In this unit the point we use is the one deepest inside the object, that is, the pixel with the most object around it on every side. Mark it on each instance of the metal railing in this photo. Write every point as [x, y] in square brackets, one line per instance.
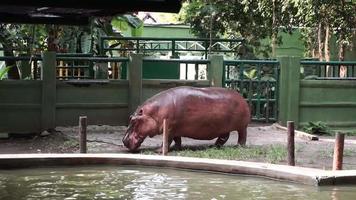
[257, 81]
[73, 66]
[194, 69]
[31, 64]
[328, 70]
[89, 67]
[149, 45]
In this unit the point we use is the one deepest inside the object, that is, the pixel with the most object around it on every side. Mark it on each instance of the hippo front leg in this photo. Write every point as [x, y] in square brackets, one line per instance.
[177, 144]
[222, 139]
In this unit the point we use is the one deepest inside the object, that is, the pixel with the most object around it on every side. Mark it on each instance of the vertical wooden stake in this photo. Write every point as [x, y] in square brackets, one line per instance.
[338, 151]
[83, 134]
[290, 145]
[165, 138]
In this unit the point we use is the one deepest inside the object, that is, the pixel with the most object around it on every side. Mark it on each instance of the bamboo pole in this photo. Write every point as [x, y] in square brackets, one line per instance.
[165, 138]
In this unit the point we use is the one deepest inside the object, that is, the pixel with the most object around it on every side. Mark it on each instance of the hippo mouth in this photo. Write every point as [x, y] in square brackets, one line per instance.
[132, 141]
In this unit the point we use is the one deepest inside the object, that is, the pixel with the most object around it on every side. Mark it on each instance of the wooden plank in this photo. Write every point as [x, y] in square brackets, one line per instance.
[299, 134]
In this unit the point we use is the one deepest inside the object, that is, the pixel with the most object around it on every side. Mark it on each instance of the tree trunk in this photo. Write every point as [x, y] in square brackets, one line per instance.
[274, 30]
[13, 73]
[320, 43]
[327, 49]
[342, 47]
[327, 43]
[52, 41]
[343, 69]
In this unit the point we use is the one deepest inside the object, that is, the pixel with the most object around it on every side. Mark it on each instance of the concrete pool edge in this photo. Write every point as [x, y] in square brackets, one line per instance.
[303, 175]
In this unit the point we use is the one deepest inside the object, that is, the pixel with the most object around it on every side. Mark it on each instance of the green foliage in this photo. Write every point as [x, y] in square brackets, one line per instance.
[319, 128]
[31, 39]
[256, 20]
[251, 74]
[250, 19]
[317, 14]
[3, 72]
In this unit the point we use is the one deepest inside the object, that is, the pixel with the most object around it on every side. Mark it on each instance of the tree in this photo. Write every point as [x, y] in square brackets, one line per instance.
[250, 19]
[28, 39]
[19, 39]
[328, 17]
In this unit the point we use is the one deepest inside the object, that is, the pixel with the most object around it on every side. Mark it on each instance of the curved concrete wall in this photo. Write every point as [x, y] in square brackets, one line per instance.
[281, 172]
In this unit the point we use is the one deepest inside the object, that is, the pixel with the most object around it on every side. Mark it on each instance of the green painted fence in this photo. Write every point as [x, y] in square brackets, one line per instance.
[311, 96]
[35, 105]
[257, 82]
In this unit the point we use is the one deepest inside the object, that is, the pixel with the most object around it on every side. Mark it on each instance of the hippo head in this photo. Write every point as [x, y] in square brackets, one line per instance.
[140, 126]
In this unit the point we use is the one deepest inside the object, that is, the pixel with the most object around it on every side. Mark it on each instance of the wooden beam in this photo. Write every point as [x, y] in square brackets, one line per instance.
[120, 6]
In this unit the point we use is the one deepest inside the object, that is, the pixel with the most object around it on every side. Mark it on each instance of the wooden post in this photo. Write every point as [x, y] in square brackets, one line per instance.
[101, 71]
[48, 76]
[290, 145]
[83, 134]
[134, 74]
[215, 70]
[338, 151]
[165, 138]
[289, 91]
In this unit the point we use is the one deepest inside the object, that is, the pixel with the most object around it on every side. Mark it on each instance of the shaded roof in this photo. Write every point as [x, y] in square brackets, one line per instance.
[76, 12]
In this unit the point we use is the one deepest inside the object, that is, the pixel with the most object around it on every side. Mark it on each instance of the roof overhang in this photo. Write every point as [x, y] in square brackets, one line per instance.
[77, 12]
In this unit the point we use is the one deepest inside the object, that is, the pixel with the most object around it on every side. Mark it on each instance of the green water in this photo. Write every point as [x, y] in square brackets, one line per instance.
[114, 182]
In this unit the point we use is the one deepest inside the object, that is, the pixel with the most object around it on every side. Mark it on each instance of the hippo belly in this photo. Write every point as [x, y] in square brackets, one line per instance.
[209, 116]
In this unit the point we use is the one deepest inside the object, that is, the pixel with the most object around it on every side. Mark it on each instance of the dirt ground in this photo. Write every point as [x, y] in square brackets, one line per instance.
[107, 139]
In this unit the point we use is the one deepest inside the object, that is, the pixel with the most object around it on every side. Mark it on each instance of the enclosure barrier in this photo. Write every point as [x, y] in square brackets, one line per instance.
[305, 96]
[258, 82]
[71, 66]
[51, 101]
[276, 90]
[328, 69]
[28, 67]
[302, 175]
[148, 45]
[90, 67]
[200, 66]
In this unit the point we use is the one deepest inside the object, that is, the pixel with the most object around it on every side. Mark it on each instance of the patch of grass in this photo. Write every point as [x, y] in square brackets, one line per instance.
[70, 143]
[349, 152]
[270, 153]
[299, 148]
[329, 153]
[348, 133]
[326, 153]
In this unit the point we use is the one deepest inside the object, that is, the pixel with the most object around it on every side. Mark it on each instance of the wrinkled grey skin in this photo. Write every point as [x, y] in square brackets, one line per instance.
[198, 113]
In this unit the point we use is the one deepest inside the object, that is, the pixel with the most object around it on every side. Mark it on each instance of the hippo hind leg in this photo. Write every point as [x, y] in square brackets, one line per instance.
[222, 139]
[177, 143]
[242, 136]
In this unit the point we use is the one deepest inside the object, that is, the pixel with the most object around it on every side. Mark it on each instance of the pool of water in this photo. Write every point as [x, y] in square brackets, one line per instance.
[128, 182]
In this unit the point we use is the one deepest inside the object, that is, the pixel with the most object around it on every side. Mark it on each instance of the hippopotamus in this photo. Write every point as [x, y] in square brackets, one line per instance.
[198, 113]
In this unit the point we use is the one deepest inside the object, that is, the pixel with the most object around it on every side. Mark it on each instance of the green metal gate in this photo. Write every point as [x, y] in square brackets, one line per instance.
[257, 81]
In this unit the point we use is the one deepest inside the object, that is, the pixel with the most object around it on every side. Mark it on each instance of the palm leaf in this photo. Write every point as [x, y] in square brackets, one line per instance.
[3, 71]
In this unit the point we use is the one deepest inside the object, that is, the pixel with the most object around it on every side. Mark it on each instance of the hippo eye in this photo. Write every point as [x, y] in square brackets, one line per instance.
[140, 112]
